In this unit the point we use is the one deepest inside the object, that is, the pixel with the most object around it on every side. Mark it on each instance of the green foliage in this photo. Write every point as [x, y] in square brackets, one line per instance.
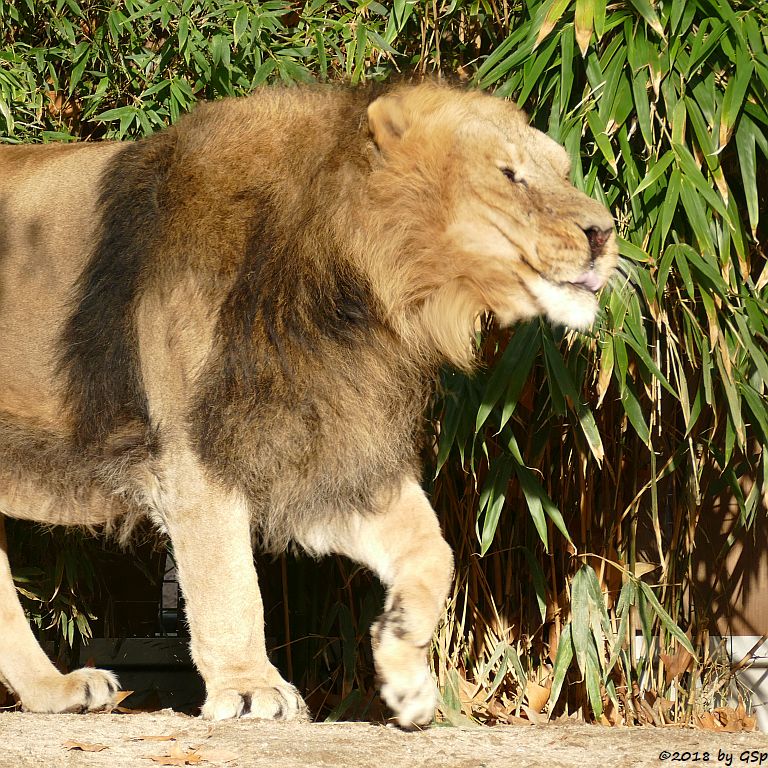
[565, 450]
[664, 110]
[53, 596]
[90, 69]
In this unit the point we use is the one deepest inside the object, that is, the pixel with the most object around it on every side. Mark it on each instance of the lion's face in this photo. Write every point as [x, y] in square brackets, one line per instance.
[505, 221]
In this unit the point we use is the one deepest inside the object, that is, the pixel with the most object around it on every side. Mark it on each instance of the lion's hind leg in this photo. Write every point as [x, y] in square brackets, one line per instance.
[403, 545]
[29, 673]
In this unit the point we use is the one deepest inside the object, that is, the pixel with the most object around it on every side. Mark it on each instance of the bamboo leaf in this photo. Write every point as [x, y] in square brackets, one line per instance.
[642, 107]
[450, 426]
[623, 609]
[747, 151]
[116, 114]
[538, 581]
[536, 497]
[566, 68]
[602, 140]
[585, 13]
[492, 500]
[361, 43]
[669, 207]
[657, 170]
[530, 346]
[599, 14]
[694, 176]
[580, 623]
[552, 12]
[758, 407]
[240, 24]
[665, 618]
[634, 413]
[647, 11]
[607, 360]
[183, 32]
[735, 91]
[593, 678]
[678, 123]
[534, 69]
[746, 337]
[567, 386]
[510, 372]
[562, 664]
[731, 396]
[642, 352]
[703, 133]
[697, 214]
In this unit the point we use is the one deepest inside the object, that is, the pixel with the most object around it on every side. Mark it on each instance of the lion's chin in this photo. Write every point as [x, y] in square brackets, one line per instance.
[567, 304]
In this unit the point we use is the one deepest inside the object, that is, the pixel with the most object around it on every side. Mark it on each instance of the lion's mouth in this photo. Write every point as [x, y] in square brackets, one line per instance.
[589, 281]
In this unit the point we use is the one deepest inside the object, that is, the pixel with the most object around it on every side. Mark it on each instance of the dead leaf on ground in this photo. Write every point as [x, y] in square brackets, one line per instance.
[191, 759]
[537, 696]
[514, 720]
[613, 715]
[726, 720]
[533, 716]
[498, 711]
[664, 708]
[495, 709]
[645, 713]
[166, 737]
[151, 704]
[734, 720]
[177, 755]
[748, 721]
[83, 747]
[217, 755]
[119, 696]
[707, 721]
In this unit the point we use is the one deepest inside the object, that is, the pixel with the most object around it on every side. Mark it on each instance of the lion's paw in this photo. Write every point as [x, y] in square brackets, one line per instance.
[406, 683]
[413, 701]
[279, 702]
[84, 690]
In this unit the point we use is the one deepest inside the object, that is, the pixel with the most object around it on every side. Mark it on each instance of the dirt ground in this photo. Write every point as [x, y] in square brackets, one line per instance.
[28, 740]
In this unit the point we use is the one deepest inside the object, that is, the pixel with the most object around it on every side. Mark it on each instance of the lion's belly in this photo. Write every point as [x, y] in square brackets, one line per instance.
[47, 202]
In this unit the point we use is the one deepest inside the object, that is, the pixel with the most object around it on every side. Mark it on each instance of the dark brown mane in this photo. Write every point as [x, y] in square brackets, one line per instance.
[98, 350]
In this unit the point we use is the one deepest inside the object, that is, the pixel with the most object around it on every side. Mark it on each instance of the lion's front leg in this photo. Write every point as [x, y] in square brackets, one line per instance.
[403, 545]
[210, 532]
[26, 670]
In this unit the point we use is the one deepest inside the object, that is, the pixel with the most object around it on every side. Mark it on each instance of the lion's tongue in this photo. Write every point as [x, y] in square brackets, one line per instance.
[589, 280]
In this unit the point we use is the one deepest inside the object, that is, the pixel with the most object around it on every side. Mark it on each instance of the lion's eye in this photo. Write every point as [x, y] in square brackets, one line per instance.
[514, 177]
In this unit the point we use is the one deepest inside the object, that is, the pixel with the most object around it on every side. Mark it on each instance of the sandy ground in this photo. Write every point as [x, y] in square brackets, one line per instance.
[28, 740]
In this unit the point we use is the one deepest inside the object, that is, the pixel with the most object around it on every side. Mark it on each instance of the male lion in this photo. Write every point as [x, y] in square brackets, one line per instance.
[230, 327]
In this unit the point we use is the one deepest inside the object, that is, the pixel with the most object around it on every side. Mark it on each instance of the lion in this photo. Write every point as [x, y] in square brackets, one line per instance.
[231, 328]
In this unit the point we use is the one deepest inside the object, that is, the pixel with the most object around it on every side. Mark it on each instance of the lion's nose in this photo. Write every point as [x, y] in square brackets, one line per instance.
[597, 238]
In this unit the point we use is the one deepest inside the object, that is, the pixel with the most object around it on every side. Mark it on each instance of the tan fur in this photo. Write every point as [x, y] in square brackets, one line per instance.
[232, 326]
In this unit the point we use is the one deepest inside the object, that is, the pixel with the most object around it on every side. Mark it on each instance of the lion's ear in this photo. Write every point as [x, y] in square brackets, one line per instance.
[387, 121]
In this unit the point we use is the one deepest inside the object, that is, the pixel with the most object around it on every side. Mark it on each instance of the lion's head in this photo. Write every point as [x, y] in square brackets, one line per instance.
[488, 208]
